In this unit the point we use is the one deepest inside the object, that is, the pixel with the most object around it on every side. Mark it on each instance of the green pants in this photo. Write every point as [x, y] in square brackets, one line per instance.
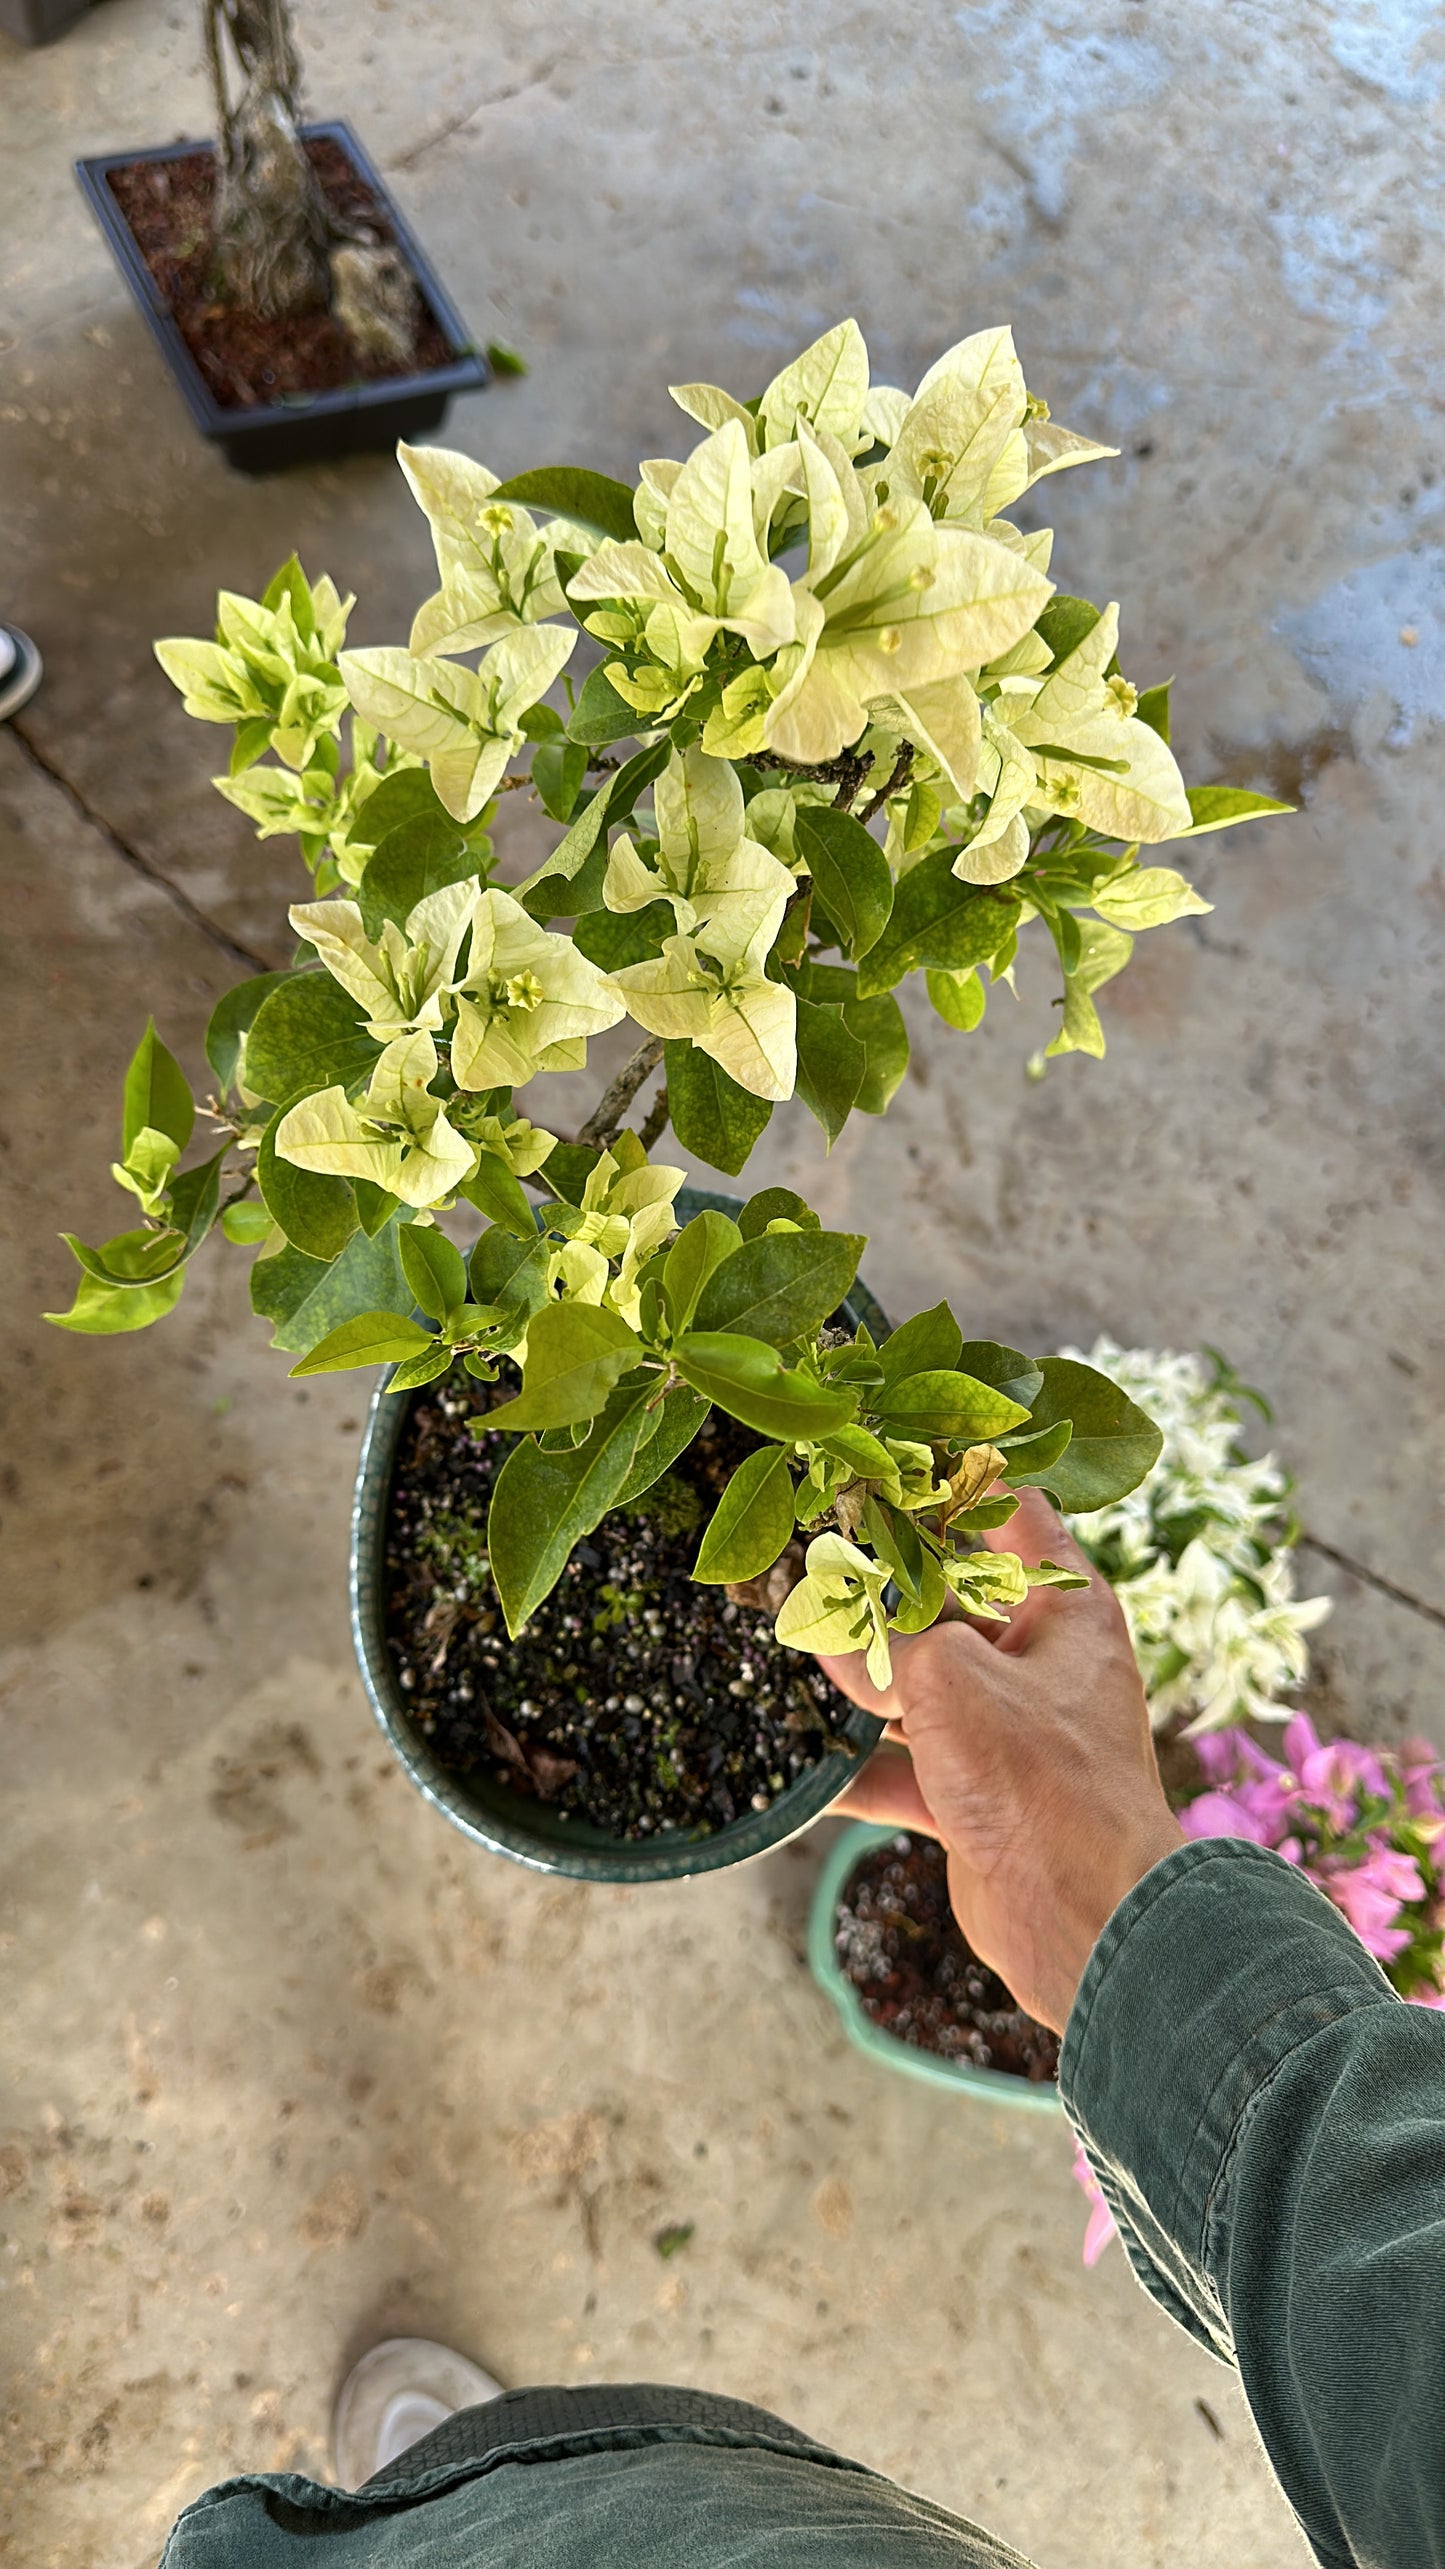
[1268, 2121]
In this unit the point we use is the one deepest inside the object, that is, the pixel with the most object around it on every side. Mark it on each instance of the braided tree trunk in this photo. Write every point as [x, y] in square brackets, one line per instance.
[278, 249]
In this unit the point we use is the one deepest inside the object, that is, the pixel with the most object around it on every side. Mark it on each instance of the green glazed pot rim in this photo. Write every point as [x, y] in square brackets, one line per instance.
[991, 2086]
[503, 1823]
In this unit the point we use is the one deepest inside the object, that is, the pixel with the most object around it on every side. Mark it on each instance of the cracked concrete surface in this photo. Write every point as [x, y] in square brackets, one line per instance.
[288, 2065]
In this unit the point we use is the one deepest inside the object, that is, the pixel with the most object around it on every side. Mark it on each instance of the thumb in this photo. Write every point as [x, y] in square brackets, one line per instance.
[887, 1791]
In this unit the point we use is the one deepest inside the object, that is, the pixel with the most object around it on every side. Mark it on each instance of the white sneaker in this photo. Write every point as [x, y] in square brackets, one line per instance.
[19, 670]
[396, 2394]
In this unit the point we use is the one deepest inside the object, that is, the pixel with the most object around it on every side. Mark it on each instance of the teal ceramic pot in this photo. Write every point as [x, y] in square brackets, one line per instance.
[504, 1822]
[990, 2086]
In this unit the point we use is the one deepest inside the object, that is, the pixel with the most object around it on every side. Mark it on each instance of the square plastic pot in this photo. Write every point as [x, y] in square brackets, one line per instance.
[39, 22]
[360, 417]
[506, 1823]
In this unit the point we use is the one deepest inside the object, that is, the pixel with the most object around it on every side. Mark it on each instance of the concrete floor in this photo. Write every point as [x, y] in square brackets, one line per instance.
[289, 2065]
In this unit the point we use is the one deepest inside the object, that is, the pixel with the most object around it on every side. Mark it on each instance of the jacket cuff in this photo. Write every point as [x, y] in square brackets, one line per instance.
[1214, 1968]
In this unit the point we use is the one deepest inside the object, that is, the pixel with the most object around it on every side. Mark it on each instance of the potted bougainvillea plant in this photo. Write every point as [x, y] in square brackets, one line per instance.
[627, 1423]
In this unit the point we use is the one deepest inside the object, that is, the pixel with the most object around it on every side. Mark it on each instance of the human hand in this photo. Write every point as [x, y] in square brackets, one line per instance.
[1024, 1747]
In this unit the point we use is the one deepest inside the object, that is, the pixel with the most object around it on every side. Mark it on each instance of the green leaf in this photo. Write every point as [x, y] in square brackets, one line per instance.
[231, 1019]
[877, 1024]
[1153, 709]
[959, 998]
[435, 1271]
[317, 1214]
[157, 1094]
[576, 1352]
[559, 772]
[371, 1338]
[1006, 1368]
[106, 1311]
[781, 1286]
[1113, 1443]
[850, 871]
[408, 795]
[502, 359]
[667, 1431]
[496, 1190]
[246, 1225]
[308, 1034]
[699, 1248]
[587, 499]
[895, 1540]
[751, 1382]
[304, 1298]
[547, 1500]
[513, 1273]
[291, 582]
[253, 739]
[752, 1522]
[938, 1404]
[1031, 1457]
[413, 1371]
[542, 893]
[710, 1113]
[417, 857]
[862, 1451]
[600, 715]
[831, 1064]
[1222, 807]
[939, 921]
[1064, 623]
[569, 1167]
[374, 1205]
[775, 1204]
[130, 1261]
[928, 1343]
[612, 938]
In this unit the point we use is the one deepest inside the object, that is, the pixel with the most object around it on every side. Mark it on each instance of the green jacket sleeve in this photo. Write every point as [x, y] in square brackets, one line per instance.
[1267, 2119]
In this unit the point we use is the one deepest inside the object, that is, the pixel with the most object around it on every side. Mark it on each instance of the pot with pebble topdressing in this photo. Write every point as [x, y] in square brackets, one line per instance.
[642, 1727]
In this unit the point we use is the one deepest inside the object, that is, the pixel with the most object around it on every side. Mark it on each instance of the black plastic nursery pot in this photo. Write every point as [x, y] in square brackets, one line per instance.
[361, 416]
[485, 1810]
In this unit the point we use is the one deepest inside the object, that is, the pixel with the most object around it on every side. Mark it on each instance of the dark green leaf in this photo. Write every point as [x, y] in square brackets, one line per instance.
[612, 938]
[317, 1214]
[1006, 1368]
[600, 715]
[710, 1113]
[544, 1502]
[1032, 1457]
[1113, 1443]
[851, 873]
[939, 921]
[928, 1343]
[1153, 709]
[587, 499]
[374, 1206]
[895, 1540]
[407, 795]
[435, 1271]
[231, 1017]
[559, 772]
[576, 1353]
[1064, 623]
[104, 1311]
[369, 1338]
[706, 1242]
[781, 1286]
[414, 859]
[305, 1298]
[195, 1198]
[831, 1064]
[157, 1094]
[308, 1034]
[503, 1269]
[751, 1382]
[291, 582]
[775, 1204]
[569, 1167]
[752, 1522]
[877, 1024]
[938, 1405]
[253, 739]
[667, 1431]
[497, 1191]
[542, 894]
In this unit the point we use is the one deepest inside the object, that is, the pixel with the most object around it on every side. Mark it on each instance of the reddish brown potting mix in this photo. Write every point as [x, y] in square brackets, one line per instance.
[916, 1973]
[249, 363]
[635, 1699]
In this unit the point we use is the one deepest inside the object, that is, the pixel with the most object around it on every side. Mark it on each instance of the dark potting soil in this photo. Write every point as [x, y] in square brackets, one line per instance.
[635, 1699]
[916, 1973]
[249, 363]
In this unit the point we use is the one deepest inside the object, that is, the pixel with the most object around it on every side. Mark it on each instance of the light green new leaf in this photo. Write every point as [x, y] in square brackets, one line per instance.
[372, 1338]
[959, 998]
[752, 1522]
[426, 1366]
[106, 1311]
[576, 1353]
[1149, 896]
[1223, 807]
[157, 1095]
[938, 1404]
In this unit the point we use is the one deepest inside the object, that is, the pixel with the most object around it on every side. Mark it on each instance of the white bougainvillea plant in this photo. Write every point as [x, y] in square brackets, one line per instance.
[1201, 1552]
[872, 739]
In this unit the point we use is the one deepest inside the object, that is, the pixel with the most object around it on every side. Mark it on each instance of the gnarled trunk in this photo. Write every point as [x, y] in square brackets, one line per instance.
[271, 227]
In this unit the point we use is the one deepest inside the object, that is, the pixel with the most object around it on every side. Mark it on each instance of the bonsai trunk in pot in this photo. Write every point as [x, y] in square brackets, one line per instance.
[297, 313]
[890, 759]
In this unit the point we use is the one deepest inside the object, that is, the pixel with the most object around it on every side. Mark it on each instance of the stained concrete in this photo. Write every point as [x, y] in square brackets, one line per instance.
[288, 2064]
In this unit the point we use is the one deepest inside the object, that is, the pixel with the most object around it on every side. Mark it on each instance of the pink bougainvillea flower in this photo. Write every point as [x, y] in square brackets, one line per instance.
[1102, 2226]
[1427, 1998]
[1226, 1815]
[1371, 1896]
[1420, 1775]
